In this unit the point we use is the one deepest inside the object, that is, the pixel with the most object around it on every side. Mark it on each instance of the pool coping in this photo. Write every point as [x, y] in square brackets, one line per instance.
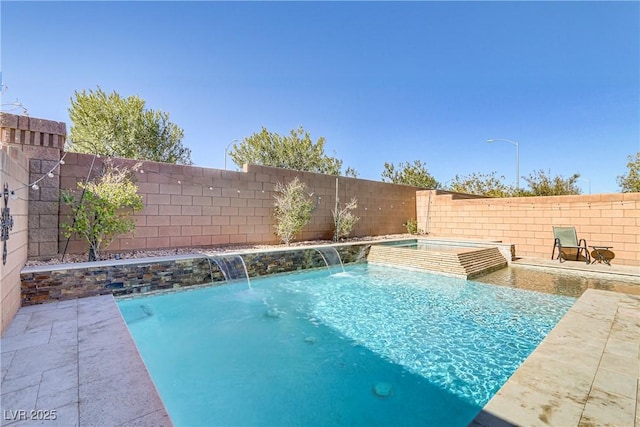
[585, 372]
[204, 254]
[77, 357]
[207, 252]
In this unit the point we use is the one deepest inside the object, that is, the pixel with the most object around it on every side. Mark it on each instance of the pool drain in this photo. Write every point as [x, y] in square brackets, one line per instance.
[274, 313]
[382, 389]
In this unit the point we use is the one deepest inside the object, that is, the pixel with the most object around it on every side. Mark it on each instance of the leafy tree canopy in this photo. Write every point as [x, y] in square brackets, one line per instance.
[540, 184]
[111, 125]
[415, 174]
[630, 183]
[543, 184]
[349, 171]
[294, 151]
[482, 185]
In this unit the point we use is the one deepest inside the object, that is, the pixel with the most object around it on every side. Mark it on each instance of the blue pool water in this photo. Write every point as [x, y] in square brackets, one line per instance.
[372, 346]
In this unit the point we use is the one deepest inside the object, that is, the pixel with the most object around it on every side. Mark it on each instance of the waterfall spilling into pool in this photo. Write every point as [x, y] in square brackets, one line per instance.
[331, 258]
[232, 267]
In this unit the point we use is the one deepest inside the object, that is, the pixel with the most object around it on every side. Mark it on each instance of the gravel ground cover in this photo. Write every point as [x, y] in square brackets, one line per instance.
[74, 258]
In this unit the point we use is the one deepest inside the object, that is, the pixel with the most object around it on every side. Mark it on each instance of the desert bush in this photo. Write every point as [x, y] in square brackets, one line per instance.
[412, 226]
[103, 210]
[292, 209]
[344, 220]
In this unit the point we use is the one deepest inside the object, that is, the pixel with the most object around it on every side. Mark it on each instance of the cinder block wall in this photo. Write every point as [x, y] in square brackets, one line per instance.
[41, 142]
[14, 172]
[601, 219]
[187, 206]
[191, 206]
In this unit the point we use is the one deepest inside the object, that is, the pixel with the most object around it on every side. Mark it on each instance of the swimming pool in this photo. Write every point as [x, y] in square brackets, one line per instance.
[372, 346]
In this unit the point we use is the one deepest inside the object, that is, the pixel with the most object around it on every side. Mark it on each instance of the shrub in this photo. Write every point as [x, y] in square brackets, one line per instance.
[344, 220]
[292, 209]
[412, 226]
[104, 209]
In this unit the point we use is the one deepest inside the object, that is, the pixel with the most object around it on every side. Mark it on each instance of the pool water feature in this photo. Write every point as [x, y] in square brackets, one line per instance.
[331, 258]
[371, 346]
[232, 267]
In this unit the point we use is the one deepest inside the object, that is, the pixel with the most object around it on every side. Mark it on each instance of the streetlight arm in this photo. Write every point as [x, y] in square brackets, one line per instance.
[505, 140]
[225, 152]
[517, 157]
[588, 182]
[230, 144]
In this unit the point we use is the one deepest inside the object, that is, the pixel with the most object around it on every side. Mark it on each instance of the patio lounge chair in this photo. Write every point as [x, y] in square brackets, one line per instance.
[566, 238]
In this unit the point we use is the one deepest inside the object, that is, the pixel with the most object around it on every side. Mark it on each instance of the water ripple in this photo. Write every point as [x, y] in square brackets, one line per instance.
[463, 336]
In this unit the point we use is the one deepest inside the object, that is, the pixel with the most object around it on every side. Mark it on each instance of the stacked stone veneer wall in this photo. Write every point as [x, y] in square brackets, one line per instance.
[132, 277]
[14, 172]
[601, 219]
[187, 206]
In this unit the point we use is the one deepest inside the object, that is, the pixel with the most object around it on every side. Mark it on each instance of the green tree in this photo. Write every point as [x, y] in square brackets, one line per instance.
[292, 209]
[482, 185]
[343, 219]
[415, 174]
[294, 151]
[630, 183]
[351, 172]
[103, 210]
[543, 184]
[111, 125]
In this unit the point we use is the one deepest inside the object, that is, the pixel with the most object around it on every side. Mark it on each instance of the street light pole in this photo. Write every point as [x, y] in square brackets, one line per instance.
[517, 157]
[225, 152]
[588, 181]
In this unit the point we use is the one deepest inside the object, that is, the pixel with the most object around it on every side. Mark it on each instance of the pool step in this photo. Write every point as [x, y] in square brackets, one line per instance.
[466, 263]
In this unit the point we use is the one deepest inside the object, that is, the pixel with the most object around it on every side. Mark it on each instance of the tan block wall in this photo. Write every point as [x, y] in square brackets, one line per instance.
[601, 219]
[41, 141]
[14, 171]
[187, 206]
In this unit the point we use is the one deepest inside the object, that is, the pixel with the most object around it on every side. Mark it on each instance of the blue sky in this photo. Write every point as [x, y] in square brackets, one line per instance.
[381, 81]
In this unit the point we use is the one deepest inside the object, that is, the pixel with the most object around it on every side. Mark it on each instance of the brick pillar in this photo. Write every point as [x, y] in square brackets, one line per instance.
[42, 142]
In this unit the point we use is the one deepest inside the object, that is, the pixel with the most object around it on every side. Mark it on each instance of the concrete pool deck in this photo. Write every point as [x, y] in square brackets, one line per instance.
[77, 358]
[584, 373]
[75, 363]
